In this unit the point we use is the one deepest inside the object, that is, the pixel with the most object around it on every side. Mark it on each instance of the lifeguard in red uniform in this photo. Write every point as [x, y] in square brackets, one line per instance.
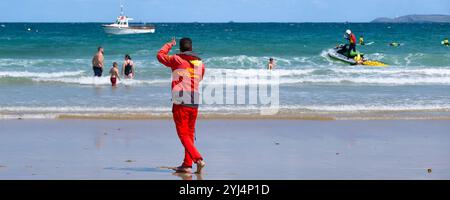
[187, 72]
[351, 40]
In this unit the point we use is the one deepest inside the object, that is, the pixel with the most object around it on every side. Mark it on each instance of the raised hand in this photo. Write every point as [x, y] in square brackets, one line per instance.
[174, 41]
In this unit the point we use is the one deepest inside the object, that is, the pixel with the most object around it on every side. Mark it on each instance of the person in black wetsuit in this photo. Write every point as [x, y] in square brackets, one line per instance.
[128, 67]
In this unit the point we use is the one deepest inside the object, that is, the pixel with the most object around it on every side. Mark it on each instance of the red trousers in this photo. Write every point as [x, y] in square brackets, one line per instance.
[185, 118]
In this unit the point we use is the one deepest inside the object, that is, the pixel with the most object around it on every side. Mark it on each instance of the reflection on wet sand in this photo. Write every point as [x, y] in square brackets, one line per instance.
[183, 176]
[188, 176]
[79, 149]
[137, 169]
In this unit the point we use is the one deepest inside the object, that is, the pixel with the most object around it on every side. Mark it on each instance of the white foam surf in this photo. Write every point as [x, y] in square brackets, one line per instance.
[89, 80]
[335, 75]
[27, 74]
[371, 81]
[246, 62]
[230, 110]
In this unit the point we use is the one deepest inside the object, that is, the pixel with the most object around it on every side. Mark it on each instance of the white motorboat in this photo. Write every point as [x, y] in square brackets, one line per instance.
[122, 26]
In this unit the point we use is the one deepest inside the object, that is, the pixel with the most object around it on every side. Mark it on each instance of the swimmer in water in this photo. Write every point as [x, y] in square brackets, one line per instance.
[394, 44]
[114, 72]
[271, 64]
[128, 67]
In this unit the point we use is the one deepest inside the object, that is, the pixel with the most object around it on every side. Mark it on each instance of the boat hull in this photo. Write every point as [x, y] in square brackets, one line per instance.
[128, 30]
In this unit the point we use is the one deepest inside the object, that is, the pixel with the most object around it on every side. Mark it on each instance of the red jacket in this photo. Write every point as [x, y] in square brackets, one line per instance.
[187, 72]
[352, 38]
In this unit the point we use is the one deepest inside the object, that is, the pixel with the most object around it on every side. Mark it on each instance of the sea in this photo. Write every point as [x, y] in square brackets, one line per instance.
[46, 72]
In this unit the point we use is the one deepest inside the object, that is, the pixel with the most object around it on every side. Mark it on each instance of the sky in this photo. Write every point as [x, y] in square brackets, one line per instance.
[216, 10]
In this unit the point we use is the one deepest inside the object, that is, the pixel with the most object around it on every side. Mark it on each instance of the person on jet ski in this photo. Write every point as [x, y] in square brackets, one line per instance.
[351, 40]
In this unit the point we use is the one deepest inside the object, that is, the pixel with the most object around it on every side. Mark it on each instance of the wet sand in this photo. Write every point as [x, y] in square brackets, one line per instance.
[233, 149]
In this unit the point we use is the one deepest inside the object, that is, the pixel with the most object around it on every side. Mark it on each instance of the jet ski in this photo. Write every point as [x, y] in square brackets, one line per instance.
[341, 53]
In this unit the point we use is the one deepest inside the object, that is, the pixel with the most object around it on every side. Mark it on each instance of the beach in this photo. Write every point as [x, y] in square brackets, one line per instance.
[311, 117]
[233, 149]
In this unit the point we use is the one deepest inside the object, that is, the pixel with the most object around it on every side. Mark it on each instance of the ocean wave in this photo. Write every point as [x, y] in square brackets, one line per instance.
[396, 71]
[229, 110]
[371, 81]
[325, 55]
[259, 81]
[412, 57]
[362, 108]
[334, 71]
[245, 62]
[331, 81]
[323, 60]
[51, 62]
[256, 72]
[307, 71]
[376, 56]
[27, 74]
[80, 109]
[100, 81]
[321, 75]
[334, 75]
[320, 61]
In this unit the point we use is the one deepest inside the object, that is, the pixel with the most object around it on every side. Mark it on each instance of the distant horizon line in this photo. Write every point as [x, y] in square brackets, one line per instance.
[230, 22]
[224, 22]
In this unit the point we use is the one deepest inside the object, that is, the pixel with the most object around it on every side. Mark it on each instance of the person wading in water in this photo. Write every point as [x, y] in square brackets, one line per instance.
[128, 67]
[97, 62]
